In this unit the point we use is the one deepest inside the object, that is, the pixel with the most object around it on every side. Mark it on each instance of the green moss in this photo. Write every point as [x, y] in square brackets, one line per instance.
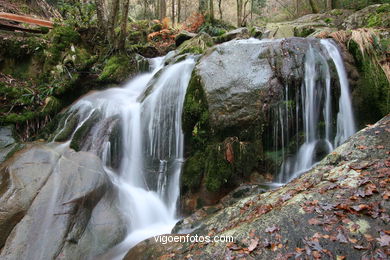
[215, 27]
[61, 38]
[116, 69]
[193, 171]
[196, 45]
[137, 37]
[14, 118]
[383, 9]
[218, 171]
[195, 115]
[328, 20]
[303, 31]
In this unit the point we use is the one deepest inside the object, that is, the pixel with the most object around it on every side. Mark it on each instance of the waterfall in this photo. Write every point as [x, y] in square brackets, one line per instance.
[313, 114]
[149, 110]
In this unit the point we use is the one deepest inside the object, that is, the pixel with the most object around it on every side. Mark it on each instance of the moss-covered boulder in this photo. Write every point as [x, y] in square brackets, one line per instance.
[239, 33]
[196, 45]
[183, 36]
[371, 16]
[308, 24]
[117, 69]
[225, 109]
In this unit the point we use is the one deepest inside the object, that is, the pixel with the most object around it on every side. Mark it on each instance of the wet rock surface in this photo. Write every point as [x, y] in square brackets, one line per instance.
[62, 197]
[241, 78]
[339, 209]
[8, 144]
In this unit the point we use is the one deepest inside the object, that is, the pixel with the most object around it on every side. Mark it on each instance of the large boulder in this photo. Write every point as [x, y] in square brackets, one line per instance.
[232, 90]
[308, 24]
[239, 78]
[339, 209]
[371, 16]
[8, 143]
[62, 197]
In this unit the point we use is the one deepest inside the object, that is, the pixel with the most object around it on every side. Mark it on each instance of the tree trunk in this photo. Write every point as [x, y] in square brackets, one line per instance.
[202, 6]
[297, 7]
[163, 9]
[123, 32]
[239, 12]
[211, 10]
[100, 15]
[178, 11]
[220, 9]
[329, 4]
[173, 12]
[314, 7]
[112, 21]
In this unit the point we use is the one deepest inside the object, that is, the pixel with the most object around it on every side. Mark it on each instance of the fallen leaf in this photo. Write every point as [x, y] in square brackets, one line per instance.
[253, 244]
[341, 238]
[272, 229]
[326, 206]
[370, 189]
[360, 207]
[314, 221]
[360, 247]
[386, 195]
[352, 240]
[316, 254]
[384, 240]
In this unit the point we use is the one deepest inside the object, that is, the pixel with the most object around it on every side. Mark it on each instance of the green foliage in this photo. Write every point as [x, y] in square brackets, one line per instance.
[373, 91]
[328, 20]
[78, 13]
[20, 48]
[374, 20]
[383, 9]
[358, 4]
[215, 27]
[61, 38]
[258, 6]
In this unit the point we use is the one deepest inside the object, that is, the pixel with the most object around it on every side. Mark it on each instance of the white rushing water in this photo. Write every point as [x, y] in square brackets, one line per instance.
[316, 110]
[147, 181]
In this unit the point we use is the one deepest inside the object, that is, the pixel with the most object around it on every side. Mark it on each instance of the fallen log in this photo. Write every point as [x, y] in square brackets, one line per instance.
[26, 19]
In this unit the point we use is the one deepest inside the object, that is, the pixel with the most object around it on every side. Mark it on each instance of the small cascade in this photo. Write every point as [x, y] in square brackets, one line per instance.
[148, 112]
[305, 121]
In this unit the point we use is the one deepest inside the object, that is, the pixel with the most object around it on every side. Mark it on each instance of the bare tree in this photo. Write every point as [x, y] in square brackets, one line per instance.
[100, 15]
[178, 10]
[173, 12]
[123, 32]
[220, 9]
[313, 6]
[163, 9]
[113, 21]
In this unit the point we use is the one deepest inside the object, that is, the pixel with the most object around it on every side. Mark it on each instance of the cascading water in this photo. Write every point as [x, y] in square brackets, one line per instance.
[311, 111]
[149, 109]
[147, 112]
